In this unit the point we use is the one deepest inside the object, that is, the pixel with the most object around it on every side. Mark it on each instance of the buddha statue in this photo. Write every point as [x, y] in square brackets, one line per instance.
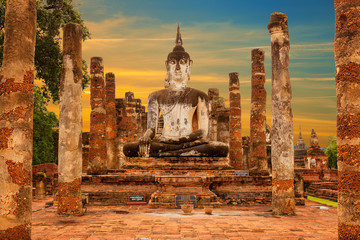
[185, 115]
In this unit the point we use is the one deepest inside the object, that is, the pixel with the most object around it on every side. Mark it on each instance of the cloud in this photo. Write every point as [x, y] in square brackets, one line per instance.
[312, 79]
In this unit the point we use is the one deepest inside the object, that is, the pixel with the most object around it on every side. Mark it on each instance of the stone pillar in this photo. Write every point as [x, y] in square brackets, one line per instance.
[282, 147]
[70, 123]
[347, 61]
[97, 151]
[258, 161]
[235, 153]
[16, 119]
[111, 122]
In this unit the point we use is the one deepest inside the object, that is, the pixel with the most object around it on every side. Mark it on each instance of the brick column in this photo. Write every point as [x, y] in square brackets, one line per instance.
[347, 61]
[111, 121]
[235, 153]
[282, 147]
[131, 122]
[97, 151]
[16, 119]
[70, 123]
[258, 161]
[213, 94]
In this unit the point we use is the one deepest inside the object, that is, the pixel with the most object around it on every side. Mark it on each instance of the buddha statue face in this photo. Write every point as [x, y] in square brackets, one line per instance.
[178, 69]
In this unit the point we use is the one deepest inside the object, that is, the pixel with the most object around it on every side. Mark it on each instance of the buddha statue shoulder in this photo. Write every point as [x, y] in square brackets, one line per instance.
[185, 113]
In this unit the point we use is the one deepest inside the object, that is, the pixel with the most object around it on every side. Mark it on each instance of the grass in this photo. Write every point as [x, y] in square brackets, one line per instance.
[323, 201]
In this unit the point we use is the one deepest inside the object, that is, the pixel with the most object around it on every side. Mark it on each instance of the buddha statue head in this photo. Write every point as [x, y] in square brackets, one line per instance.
[178, 65]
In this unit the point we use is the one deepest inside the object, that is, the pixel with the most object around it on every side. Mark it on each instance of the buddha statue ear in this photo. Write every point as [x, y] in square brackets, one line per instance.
[167, 77]
[189, 69]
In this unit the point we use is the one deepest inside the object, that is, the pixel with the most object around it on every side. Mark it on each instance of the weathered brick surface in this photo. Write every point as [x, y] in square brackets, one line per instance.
[69, 198]
[235, 148]
[282, 149]
[258, 161]
[347, 78]
[16, 119]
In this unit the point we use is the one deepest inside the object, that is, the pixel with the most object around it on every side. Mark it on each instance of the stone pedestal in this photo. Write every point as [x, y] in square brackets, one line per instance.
[171, 186]
[177, 163]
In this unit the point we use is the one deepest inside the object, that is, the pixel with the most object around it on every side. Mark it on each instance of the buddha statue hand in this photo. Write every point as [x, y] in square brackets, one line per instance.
[144, 142]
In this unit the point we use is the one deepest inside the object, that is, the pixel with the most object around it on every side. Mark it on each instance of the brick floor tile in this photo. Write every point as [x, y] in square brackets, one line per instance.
[142, 223]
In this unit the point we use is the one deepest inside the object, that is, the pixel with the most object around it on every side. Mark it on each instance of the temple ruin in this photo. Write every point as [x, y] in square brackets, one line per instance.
[187, 163]
[187, 148]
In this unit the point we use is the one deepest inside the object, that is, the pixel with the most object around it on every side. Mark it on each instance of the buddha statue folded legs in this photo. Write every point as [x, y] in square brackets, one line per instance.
[185, 113]
[159, 148]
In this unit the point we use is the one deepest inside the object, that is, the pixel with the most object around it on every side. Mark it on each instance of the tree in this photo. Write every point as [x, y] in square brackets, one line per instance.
[52, 15]
[331, 152]
[45, 132]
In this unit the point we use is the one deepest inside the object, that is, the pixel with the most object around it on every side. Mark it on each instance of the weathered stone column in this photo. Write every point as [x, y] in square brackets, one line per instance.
[97, 151]
[235, 151]
[16, 119]
[258, 161]
[282, 147]
[347, 61]
[110, 121]
[70, 123]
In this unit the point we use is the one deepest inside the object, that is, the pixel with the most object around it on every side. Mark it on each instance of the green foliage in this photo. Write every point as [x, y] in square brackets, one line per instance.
[44, 132]
[331, 152]
[52, 15]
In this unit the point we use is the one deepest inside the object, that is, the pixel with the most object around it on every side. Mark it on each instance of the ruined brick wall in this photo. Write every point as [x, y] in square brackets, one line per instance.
[130, 120]
[347, 79]
[48, 168]
[16, 119]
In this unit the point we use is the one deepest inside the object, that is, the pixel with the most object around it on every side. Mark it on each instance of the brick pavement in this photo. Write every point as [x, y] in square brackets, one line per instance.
[142, 223]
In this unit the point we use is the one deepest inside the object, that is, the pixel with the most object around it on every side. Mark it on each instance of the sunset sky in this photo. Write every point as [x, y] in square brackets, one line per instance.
[135, 36]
